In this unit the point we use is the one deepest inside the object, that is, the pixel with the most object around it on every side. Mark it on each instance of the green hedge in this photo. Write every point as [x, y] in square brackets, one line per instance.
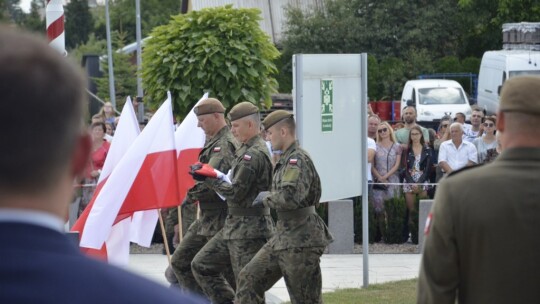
[395, 216]
[413, 224]
[395, 208]
[357, 205]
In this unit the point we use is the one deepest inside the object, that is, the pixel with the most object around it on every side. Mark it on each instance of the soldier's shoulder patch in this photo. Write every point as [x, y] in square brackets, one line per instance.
[217, 149]
[428, 223]
[247, 157]
[291, 174]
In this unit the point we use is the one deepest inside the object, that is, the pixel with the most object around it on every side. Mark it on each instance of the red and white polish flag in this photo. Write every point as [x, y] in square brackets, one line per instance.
[116, 248]
[144, 179]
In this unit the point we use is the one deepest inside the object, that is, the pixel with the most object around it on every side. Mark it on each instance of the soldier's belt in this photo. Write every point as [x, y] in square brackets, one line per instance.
[249, 211]
[213, 208]
[213, 205]
[297, 213]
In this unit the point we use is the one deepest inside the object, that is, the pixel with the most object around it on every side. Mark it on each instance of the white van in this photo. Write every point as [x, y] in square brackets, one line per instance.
[496, 67]
[434, 98]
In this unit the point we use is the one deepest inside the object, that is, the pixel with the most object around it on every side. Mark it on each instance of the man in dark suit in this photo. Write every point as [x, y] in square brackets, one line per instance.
[43, 149]
[482, 242]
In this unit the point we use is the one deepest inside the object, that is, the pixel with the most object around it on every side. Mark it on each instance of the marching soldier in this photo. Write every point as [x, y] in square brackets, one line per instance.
[246, 228]
[294, 250]
[219, 152]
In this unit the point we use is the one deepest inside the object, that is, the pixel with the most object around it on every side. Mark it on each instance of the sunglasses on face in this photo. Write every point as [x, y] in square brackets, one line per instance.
[489, 125]
[382, 130]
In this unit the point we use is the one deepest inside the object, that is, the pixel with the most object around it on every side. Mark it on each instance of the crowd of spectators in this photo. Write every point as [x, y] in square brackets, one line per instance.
[410, 159]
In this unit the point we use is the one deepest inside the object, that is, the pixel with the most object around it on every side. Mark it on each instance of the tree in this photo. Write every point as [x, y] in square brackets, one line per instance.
[482, 20]
[92, 46]
[11, 11]
[221, 50]
[33, 20]
[384, 28]
[99, 28]
[78, 23]
[153, 13]
[125, 74]
[3, 10]
[393, 31]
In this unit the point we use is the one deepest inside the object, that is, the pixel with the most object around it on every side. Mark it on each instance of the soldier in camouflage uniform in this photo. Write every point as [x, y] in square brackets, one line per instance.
[219, 152]
[301, 235]
[189, 215]
[246, 228]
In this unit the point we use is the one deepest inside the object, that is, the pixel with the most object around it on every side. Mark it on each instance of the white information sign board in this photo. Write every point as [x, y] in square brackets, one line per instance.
[328, 94]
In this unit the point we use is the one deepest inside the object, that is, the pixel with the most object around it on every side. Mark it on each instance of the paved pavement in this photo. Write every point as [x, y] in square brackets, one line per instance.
[339, 271]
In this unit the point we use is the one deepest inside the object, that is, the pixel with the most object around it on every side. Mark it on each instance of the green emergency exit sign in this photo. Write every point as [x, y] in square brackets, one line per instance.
[327, 105]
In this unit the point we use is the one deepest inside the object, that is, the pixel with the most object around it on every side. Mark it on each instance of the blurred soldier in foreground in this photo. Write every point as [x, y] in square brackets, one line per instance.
[482, 242]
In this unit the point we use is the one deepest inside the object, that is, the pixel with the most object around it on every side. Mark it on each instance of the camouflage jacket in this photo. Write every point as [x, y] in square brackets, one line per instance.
[252, 173]
[296, 185]
[219, 152]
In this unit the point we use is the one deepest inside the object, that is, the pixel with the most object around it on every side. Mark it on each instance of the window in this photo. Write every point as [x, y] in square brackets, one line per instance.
[522, 73]
[441, 96]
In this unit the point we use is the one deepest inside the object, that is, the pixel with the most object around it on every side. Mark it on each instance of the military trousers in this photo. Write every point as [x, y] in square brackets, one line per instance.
[300, 267]
[216, 258]
[182, 257]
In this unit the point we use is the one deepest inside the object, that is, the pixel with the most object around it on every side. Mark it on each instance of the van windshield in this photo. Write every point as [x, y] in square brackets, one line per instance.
[429, 96]
[521, 73]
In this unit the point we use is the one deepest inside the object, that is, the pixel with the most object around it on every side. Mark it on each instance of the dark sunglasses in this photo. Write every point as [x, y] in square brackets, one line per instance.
[382, 130]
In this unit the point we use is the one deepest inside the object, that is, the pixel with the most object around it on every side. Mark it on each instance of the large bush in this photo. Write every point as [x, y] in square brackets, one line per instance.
[413, 222]
[395, 216]
[221, 50]
[358, 228]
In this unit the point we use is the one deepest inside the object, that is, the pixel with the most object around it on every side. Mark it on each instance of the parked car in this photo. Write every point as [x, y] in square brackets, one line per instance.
[435, 98]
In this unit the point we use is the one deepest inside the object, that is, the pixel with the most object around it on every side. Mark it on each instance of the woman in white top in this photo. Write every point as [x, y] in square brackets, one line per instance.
[486, 145]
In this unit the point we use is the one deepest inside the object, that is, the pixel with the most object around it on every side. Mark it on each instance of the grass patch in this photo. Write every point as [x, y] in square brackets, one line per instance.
[402, 292]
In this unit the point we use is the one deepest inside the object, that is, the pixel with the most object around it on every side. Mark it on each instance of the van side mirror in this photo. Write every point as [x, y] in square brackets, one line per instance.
[411, 103]
[499, 90]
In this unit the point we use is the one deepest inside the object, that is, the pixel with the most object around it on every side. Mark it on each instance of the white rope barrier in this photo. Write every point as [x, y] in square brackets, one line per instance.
[387, 184]
[401, 184]
[84, 185]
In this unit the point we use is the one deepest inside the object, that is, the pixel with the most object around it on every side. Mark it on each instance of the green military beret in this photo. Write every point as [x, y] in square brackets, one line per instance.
[242, 109]
[275, 117]
[209, 106]
[521, 94]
